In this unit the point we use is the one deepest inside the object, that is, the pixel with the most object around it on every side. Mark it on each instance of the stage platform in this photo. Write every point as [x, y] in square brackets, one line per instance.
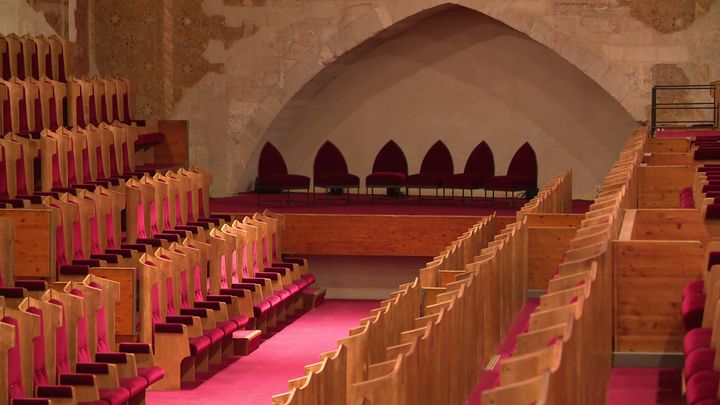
[383, 227]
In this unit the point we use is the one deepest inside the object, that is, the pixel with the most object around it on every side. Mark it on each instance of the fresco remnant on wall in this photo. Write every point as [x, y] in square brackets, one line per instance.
[668, 16]
[160, 45]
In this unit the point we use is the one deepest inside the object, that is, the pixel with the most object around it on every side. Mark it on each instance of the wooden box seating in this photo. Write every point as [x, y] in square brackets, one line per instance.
[402, 337]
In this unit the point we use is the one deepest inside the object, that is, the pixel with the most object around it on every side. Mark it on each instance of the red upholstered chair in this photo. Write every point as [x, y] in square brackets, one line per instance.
[436, 168]
[479, 167]
[521, 175]
[330, 170]
[390, 169]
[273, 174]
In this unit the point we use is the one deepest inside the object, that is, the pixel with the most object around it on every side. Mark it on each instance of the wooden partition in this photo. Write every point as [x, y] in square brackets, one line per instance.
[657, 252]
[34, 246]
[660, 186]
[428, 343]
[549, 236]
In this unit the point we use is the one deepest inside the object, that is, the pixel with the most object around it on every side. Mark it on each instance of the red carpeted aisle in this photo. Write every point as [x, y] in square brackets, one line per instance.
[490, 378]
[636, 386]
[254, 379]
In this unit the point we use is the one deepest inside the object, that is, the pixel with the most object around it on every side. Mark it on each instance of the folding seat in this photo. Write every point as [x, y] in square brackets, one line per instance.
[271, 283]
[45, 106]
[273, 174]
[15, 107]
[53, 161]
[99, 106]
[19, 159]
[436, 168]
[137, 216]
[180, 349]
[60, 58]
[112, 113]
[79, 102]
[521, 175]
[43, 60]
[532, 391]
[264, 308]
[121, 150]
[182, 187]
[5, 71]
[76, 346]
[330, 170]
[15, 56]
[480, 165]
[390, 169]
[29, 58]
[275, 254]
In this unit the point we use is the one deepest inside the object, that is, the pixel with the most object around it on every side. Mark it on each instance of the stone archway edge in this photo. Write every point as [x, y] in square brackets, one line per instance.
[378, 19]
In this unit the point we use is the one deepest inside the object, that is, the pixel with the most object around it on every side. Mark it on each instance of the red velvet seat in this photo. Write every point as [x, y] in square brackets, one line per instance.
[698, 360]
[692, 309]
[436, 167]
[480, 165]
[330, 169]
[273, 173]
[521, 175]
[390, 168]
[702, 386]
[696, 339]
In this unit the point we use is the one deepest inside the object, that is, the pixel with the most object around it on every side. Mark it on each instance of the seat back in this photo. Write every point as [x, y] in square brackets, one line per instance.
[481, 161]
[7, 237]
[437, 160]
[328, 160]
[524, 163]
[390, 159]
[271, 161]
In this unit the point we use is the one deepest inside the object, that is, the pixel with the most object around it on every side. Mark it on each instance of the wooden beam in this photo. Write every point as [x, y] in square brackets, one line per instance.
[372, 235]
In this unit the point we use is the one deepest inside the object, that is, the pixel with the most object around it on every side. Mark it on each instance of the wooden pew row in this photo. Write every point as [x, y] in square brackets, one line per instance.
[35, 57]
[405, 364]
[568, 344]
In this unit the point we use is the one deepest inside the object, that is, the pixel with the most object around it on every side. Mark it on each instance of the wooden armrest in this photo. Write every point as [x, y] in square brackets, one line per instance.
[193, 325]
[125, 362]
[106, 374]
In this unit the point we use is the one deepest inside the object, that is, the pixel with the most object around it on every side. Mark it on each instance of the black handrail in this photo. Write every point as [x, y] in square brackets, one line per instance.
[682, 106]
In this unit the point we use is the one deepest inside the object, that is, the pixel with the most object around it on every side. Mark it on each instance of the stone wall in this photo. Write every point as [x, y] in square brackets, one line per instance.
[235, 68]
[619, 45]
[460, 77]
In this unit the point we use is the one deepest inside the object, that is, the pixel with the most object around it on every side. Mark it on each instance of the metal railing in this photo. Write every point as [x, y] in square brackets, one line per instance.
[711, 105]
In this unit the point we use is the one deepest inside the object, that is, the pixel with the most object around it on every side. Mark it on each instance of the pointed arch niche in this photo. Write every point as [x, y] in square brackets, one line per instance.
[453, 74]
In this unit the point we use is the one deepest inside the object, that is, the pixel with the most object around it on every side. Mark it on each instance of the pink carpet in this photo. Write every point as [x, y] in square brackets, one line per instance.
[489, 378]
[683, 133]
[253, 380]
[635, 386]
[361, 204]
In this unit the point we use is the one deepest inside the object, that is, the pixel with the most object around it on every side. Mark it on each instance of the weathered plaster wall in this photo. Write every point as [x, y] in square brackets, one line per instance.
[462, 77]
[236, 68]
[268, 77]
[17, 16]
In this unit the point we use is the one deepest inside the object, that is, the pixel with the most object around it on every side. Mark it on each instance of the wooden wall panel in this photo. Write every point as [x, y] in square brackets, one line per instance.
[668, 224]
[660, 145]
[34, 246]
[648, 277]
[174, 149]
[546, 247]
[668, 159]
[555, 220]
[125, 309]
[659, 186]
[372, 235]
